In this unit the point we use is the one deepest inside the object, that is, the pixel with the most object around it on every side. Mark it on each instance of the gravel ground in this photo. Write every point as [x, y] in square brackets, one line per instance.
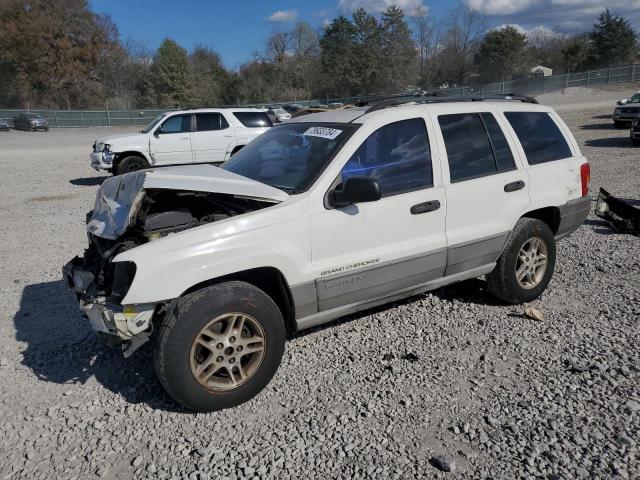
[446, 381]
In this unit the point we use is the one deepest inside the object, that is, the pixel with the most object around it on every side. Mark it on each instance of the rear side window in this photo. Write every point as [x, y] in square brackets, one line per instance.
[397, 155]
[540, 137]
[253, 119]
[475, 146]
[210, 121]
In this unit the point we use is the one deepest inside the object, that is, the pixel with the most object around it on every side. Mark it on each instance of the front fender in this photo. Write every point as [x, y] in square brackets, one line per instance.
[166, 268]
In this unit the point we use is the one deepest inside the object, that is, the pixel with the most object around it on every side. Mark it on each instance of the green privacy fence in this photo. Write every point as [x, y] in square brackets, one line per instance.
[527, 86]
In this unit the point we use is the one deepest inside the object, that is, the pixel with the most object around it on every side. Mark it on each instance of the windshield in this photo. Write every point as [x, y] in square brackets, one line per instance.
[153, 123]
[635, 98]
[291, 156]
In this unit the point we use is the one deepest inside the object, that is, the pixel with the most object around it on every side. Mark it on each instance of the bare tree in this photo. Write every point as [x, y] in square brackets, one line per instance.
[427, 38]
[464, 29]
[278, 46]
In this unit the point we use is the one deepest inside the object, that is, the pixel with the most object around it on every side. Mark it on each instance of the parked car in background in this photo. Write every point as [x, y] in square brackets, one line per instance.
[181, 137]
[634, 134]
[4, 126]
[271, 114]
[624, 101]
[30, 121]
[627, 111]
[324, 216]
[281, 114]
[336, 105]
[293, 108]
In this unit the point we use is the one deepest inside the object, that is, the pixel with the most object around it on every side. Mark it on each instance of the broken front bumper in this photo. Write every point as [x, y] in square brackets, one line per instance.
[101, 160]
[124, 322]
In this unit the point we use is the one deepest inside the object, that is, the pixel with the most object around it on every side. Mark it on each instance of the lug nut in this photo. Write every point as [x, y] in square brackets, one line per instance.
[232, 360]
[219, 346]
[239, 348]
[232, 339]
[219, 359]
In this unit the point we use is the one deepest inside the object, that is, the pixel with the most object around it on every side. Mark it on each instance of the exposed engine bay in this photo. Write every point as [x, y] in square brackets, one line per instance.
[161, 212]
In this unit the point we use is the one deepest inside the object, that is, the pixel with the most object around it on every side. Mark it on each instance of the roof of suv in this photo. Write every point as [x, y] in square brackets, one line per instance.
[217, 109]
[362, 114]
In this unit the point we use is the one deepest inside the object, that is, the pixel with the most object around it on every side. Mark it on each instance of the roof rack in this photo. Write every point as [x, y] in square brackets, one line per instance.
[405, 99]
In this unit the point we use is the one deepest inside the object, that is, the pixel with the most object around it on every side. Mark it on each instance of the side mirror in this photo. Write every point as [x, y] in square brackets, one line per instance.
[356, 190]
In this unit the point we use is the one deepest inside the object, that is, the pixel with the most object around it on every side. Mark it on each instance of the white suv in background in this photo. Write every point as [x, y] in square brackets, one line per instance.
[320, 217]
[181, 137]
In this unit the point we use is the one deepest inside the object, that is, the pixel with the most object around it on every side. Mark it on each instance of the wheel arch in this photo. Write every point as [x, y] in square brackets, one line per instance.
[128, 153]
[268, 279]
[548, 215]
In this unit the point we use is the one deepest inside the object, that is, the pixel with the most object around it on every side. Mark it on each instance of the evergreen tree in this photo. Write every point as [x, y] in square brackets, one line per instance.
[169, 82]
[367, 51]
[337, 56]
[399, 50]
[613, 41]
[502, 54]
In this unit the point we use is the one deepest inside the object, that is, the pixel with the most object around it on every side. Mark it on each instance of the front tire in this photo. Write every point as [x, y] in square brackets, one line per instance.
[526, 264]
[219, 346]
[131, 164]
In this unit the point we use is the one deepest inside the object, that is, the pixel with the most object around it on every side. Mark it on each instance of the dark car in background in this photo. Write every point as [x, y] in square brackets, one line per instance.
[30, 121]
[4, 126]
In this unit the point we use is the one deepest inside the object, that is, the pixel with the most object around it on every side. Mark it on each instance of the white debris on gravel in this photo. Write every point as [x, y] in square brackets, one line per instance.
[451, 379]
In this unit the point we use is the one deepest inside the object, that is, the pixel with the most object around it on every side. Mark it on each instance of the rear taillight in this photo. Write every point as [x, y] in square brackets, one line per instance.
[585, 178]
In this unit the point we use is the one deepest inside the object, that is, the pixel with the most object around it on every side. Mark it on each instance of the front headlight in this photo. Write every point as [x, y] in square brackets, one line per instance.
[618, 110]
[98, 147]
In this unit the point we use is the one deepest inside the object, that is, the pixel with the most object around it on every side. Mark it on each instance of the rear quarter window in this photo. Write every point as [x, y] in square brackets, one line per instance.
[541, 139]
[253, 119]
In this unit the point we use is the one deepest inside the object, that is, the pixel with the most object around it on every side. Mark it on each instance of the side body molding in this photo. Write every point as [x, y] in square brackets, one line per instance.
[359, 287]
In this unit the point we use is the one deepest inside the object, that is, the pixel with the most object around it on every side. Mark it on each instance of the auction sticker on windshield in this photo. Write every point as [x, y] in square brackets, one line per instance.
[322, 132]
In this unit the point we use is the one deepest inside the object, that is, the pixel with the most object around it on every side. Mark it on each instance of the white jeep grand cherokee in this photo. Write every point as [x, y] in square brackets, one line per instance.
[206, 135]
[321, 217]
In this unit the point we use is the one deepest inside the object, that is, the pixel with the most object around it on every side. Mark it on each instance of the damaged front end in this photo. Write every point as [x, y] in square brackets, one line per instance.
[132, 210]
[620, 215]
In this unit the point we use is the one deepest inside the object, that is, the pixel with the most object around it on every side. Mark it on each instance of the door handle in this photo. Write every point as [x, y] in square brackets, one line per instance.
[425, 207]
[228, 136]
[514, 186]
[184, 138]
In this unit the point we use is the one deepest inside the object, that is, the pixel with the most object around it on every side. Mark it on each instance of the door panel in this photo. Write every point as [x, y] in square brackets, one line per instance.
[486, 191]
[211, 138]
[171, 142]
[372, 249]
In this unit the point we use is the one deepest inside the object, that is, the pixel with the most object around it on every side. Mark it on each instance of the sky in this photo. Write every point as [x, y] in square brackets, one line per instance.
[236, 29]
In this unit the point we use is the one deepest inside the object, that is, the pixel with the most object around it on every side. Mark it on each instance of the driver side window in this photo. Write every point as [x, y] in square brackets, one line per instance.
[397, 155]
[176, 124]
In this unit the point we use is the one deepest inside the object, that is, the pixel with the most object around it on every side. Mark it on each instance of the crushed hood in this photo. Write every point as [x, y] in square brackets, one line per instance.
[118, 197]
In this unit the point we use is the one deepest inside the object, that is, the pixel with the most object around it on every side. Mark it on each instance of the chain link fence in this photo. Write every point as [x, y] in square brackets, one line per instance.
[527, 86]
[87, 118]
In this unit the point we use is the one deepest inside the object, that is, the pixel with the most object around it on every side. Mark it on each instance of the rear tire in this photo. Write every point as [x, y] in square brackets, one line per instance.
[636, 142]
[131, 164]
[519, 275]
[219, 346]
